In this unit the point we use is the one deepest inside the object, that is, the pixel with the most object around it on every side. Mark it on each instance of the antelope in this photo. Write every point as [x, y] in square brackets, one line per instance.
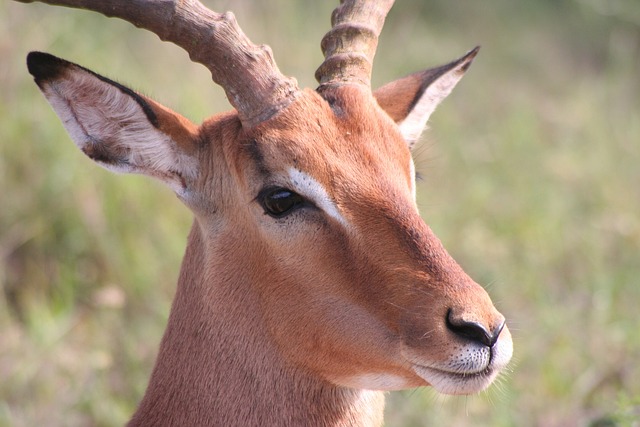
[310, 284]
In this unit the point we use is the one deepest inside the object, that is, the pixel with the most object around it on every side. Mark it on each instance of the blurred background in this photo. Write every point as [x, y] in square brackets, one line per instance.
[530, 176]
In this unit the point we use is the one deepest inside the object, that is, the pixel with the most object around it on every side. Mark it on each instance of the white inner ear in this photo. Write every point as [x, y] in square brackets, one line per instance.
[95, 112]
[416, 121]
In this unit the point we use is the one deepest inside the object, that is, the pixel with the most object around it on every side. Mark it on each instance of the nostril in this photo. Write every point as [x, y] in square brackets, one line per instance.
[473, 331]
[496, 332]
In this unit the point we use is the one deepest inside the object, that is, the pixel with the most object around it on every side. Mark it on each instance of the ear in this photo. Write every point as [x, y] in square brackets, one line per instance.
[116, 127]
[411, 100]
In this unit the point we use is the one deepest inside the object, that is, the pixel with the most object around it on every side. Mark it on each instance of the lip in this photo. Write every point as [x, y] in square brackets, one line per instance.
[456, 382]
[485, 372]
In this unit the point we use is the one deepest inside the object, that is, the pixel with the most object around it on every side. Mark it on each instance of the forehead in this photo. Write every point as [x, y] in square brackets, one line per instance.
[346, 137]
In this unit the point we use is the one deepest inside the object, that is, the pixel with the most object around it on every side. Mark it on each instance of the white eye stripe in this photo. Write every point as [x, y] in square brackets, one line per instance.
[308, 187]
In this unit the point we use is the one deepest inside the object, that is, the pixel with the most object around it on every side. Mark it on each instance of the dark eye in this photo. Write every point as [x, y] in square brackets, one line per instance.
[279, 202]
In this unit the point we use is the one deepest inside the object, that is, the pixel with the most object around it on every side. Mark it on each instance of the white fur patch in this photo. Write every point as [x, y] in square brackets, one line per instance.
[380, 381]
[95, 112]
[313, 190]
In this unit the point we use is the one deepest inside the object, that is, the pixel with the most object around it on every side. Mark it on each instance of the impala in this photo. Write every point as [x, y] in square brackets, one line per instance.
[310, 283]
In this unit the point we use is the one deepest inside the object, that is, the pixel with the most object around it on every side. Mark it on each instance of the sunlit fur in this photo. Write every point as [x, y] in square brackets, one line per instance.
[295, 320]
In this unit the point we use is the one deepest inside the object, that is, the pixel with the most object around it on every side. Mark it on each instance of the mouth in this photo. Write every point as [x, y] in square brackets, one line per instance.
[456, 382]
[469, 370]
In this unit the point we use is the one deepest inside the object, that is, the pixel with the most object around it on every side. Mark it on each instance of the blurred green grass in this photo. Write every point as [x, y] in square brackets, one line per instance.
[531, 177]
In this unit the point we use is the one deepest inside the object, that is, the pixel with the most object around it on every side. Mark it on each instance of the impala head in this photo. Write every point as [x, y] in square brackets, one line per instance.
[309, 197]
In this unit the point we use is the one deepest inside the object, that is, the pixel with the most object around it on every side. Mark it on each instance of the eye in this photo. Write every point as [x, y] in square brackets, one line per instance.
[279, 202]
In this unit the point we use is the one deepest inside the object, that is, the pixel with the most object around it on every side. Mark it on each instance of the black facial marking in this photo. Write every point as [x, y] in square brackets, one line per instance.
[253, 147]
[334, 102]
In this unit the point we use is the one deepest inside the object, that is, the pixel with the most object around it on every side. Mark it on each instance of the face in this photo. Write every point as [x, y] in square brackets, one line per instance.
[314, 209]
[358, 288]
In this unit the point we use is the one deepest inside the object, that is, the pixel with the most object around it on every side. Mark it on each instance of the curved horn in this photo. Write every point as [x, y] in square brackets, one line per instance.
[248, 74]
[350, 45]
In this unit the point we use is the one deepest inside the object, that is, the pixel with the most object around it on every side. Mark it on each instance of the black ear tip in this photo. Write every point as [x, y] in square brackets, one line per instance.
[468, 58]
[43, 66]
[473, 52]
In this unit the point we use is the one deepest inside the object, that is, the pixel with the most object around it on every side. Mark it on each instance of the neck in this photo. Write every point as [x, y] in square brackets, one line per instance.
[218, 366]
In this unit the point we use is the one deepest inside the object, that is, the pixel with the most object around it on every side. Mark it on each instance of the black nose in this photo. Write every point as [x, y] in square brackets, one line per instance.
[473, 331]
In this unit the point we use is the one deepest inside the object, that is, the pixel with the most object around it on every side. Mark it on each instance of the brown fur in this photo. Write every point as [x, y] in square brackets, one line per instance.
[279, 321]
[242, 350]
